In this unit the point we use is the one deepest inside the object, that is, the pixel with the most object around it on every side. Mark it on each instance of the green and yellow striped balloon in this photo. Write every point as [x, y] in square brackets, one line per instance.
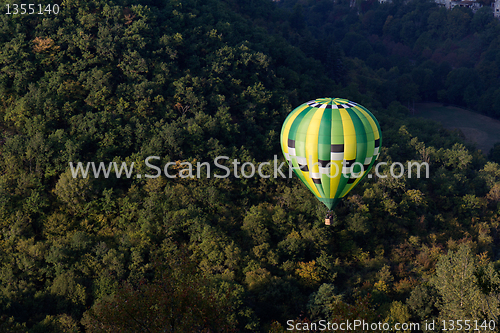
[331, 143]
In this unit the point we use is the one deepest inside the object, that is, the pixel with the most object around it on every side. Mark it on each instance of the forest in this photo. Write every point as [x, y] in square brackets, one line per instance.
[190, 80]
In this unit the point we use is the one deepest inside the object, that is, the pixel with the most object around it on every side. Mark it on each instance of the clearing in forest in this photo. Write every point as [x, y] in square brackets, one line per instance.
[479, 129]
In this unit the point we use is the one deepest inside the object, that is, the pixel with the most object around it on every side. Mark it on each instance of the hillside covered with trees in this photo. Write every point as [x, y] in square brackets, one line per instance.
[119, 80]
[409, 53]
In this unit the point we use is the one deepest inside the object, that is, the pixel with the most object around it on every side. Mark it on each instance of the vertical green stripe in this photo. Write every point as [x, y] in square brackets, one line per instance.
[370, 138]
[360, 147]
[337, 134]
[324, 147]
[301, 133]
[285, 130]
[296, 123]
[337, 138]
[300, 141]
[361, 139]
[324, 136]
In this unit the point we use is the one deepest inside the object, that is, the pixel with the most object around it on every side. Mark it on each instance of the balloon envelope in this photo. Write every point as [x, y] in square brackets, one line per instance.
[331, 143]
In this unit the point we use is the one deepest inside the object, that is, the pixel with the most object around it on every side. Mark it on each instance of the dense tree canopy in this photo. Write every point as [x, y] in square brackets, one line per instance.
[188, 81]
[406, 52]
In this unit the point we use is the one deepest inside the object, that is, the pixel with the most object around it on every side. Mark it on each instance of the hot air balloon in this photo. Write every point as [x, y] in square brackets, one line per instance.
[331, 143]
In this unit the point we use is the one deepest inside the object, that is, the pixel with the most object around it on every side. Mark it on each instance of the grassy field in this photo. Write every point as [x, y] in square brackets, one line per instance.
[482, 130]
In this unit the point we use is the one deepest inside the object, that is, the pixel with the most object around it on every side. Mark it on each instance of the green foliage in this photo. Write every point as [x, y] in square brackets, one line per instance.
[320, 302]
[457, 283]
[495, 153]
[398, 313]
[178, 300]
[116, 81]
[422, 302]
[408, 52]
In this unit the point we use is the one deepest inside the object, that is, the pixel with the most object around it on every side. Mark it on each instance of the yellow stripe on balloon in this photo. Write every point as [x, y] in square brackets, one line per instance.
[312, 141]
[349, 136]
[376, 134]
[335, 175]
[288, 125]
[312, 148]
